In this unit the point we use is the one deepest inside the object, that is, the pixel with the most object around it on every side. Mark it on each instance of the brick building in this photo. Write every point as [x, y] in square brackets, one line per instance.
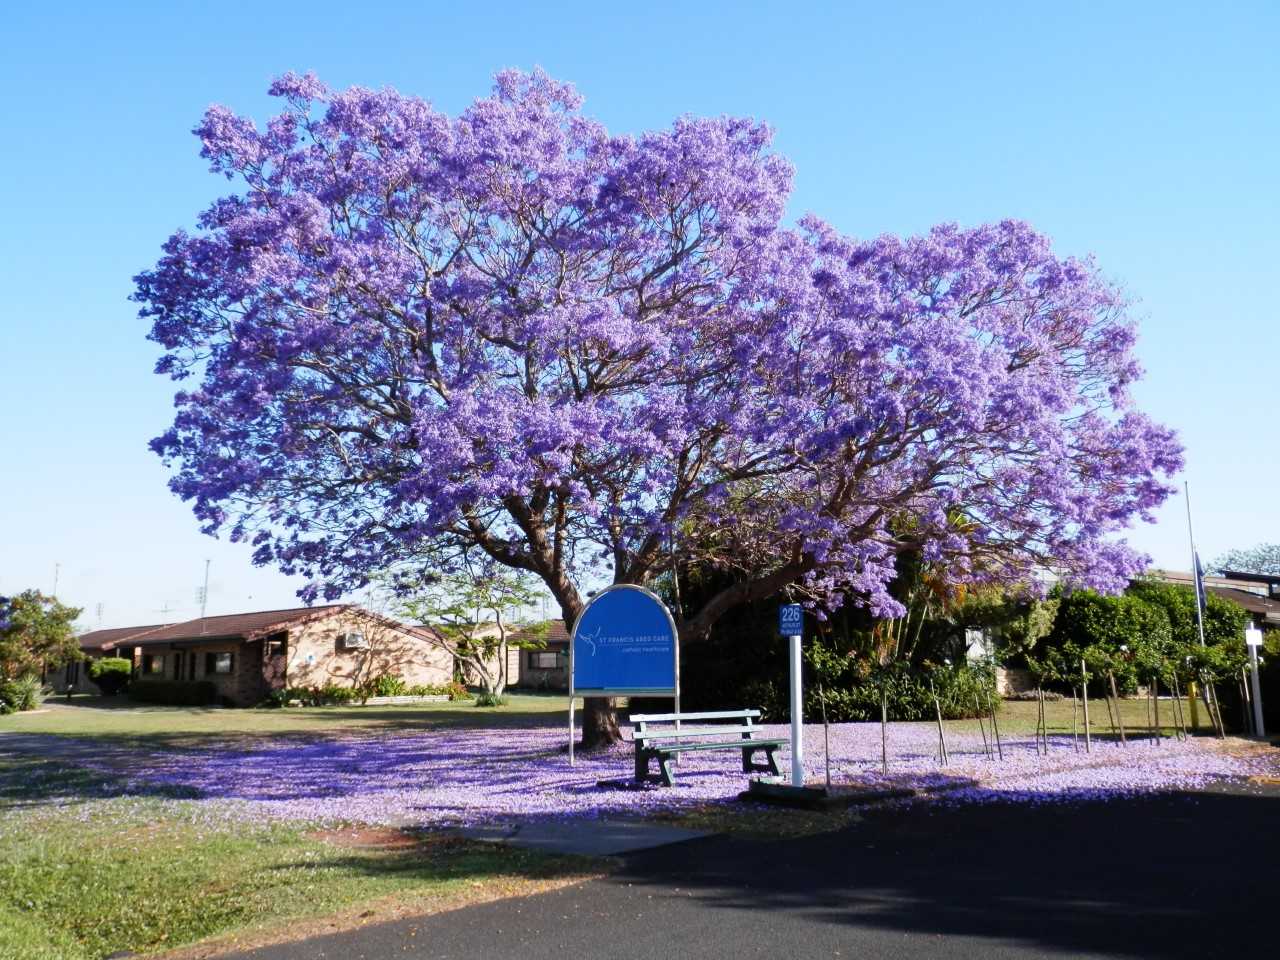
[247, 655]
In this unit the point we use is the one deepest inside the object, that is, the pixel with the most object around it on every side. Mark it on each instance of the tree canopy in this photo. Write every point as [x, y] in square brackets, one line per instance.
[35, 633]
[593, 356]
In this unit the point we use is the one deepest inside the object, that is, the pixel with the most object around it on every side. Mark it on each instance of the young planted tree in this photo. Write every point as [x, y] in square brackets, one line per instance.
[35, 634]
[470, 613]
[593, 355]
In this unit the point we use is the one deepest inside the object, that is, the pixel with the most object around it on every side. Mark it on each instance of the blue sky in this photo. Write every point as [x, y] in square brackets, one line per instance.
[1145, 134]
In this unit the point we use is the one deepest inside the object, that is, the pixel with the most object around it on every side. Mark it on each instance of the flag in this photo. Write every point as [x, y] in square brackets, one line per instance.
[1199, 573]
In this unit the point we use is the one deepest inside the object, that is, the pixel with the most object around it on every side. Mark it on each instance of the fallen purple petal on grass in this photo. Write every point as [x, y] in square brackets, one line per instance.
[482, 776]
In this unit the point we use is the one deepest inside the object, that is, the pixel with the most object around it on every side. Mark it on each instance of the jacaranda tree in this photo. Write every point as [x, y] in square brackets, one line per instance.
[593, 356]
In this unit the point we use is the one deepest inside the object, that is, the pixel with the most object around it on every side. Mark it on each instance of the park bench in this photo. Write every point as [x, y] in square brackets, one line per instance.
[667, 743]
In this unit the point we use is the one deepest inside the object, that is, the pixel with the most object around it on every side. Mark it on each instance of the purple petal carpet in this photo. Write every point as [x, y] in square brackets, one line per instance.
[457, 777]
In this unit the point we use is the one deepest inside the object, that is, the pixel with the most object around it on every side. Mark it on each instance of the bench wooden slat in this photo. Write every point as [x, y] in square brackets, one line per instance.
[672, 717]
[727, 745]
[671, 732]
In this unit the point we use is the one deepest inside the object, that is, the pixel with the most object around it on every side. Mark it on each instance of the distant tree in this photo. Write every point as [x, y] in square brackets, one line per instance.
[1263, 558]
[36, 634]
[471, 611]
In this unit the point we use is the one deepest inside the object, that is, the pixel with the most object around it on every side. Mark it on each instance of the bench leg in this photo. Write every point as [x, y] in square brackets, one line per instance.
[751, 765]
[772, 761]
[644, 758]
[665, 764]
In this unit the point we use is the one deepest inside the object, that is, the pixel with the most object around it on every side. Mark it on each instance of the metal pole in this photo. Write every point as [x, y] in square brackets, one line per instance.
[1258, 725]
[797, 716]
[571, 694]
[1084, 701]
[884, 735]
[1195, 564]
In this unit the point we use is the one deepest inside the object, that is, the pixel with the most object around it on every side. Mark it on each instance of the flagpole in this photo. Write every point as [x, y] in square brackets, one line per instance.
[1197, 581]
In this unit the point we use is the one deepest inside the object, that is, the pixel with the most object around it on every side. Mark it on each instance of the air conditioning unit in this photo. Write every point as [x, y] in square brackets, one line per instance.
[354, 640]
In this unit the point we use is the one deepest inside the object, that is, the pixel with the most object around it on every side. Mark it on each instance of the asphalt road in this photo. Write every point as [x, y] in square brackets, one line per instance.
[1182, 876]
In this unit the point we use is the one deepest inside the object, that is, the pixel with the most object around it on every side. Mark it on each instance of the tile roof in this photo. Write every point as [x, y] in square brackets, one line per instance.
[556, 633]
[241, 626]
[108, 639]
[1269, 609]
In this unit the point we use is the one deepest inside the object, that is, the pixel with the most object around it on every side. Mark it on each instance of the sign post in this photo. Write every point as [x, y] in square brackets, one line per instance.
[791, 625]
[1253, 640]
[624, 645]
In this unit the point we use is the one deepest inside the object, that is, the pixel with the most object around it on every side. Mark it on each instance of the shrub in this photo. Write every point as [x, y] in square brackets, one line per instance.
[387, 685]
[23, 693]
[457, 690]
[485, 699]
[175, 693]
[111, 674]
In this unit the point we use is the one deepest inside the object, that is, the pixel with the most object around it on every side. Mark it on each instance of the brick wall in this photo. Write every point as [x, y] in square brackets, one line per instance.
[316, 657]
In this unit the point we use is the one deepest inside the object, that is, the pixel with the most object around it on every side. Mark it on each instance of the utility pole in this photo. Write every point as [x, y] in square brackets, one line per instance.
[57, 572]
[204, 595]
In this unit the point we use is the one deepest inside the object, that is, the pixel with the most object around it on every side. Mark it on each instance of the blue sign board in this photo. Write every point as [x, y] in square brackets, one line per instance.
[624, 644]
[791, 620]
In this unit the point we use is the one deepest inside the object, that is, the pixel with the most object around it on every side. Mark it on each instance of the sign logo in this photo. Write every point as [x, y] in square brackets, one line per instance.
[624, 644]
[791, 620]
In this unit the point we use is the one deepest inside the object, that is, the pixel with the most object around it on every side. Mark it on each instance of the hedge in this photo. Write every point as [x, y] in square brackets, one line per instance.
[175, 693]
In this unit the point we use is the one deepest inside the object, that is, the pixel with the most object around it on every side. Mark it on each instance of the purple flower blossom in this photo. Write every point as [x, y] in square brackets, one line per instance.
[514, 331]
[478, 776]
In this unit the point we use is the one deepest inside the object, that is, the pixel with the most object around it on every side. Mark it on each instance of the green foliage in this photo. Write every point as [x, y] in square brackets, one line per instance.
[484, 699]
[853, 691]
[22, 693]
[469, 608]
[335, 695]
[1122, 636]
[387, 685]
[1145, 634]
[110, 674]
[37, 635]
[174, 693]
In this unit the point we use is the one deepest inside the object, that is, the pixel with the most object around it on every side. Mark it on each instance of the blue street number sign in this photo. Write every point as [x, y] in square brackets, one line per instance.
[791, 620]
[624, 644]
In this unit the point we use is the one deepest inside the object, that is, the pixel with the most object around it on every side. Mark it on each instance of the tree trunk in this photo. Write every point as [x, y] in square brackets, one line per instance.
[599, 723]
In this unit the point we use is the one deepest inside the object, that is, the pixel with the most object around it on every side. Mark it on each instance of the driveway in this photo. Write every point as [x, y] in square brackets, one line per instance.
[1184, 875]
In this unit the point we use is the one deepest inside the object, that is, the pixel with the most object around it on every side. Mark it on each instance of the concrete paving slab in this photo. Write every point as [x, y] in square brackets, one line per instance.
[596, 838]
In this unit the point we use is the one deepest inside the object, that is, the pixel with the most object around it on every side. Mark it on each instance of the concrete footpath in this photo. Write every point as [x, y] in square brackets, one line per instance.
[1189, 875]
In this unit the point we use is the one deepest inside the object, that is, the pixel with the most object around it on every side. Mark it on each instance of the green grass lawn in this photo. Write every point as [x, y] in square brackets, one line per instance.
[83, 874]
[1019, 717]
[118, 717]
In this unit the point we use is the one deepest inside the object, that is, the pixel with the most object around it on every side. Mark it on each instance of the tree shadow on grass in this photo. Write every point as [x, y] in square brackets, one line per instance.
[28, 782]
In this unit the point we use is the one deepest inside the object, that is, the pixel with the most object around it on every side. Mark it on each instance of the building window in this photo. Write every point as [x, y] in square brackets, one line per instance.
[217, 663]
[276, 648]
[544, 661]
[153, 663]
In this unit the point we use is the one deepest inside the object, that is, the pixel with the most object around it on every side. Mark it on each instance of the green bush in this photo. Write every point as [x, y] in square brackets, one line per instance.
[174, 693]
[387, 685]
[484, 699]
[111, 674]
[23, 693]
[962, 691]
